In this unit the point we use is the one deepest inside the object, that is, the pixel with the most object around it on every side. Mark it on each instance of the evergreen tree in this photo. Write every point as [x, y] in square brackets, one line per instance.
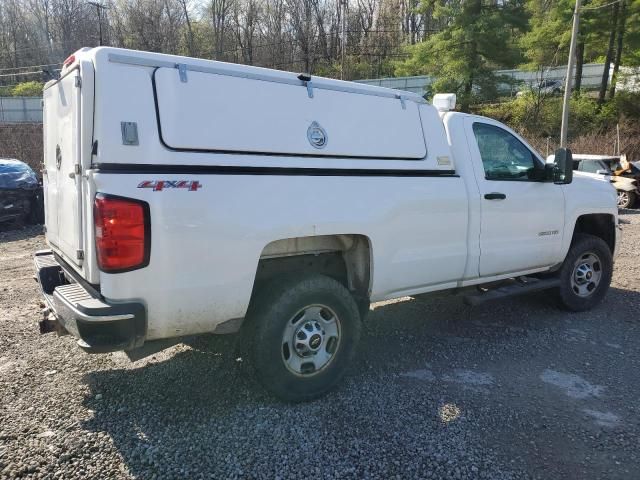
[546, 44]
[477, 38]
[608, 34]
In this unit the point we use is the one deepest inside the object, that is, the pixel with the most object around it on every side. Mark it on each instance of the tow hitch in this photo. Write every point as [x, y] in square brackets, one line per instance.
[50, 323]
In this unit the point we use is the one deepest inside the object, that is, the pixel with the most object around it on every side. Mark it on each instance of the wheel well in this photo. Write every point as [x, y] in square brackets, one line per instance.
[598, 224]
[346, 258]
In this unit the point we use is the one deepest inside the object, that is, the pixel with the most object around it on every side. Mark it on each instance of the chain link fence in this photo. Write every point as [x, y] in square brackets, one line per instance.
[24, 142]
[514, 80]
[20, 110]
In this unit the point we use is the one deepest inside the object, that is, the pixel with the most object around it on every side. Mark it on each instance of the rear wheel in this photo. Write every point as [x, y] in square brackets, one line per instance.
[304, 331]
[585, 275]
[626, 199]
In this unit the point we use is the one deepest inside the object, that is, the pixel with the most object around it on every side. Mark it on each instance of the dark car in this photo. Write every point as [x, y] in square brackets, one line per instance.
[544, 88]
[21, 198]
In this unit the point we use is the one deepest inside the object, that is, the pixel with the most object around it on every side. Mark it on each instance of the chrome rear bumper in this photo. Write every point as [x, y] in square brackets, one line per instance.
[100, 325]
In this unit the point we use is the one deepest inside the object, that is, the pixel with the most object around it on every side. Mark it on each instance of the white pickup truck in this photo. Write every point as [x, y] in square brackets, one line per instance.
[186, 196]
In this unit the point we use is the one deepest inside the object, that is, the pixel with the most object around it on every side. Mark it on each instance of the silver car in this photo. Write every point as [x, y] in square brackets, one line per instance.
[627, 187]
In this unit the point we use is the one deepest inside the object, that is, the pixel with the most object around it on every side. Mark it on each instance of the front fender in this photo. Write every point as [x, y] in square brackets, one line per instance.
[586, 196]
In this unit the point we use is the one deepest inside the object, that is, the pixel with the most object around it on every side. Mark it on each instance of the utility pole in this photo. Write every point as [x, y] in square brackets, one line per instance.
[343, 36]
[99, 8]
[570, 64]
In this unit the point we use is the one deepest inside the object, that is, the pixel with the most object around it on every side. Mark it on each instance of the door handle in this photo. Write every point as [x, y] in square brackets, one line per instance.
[495, 196]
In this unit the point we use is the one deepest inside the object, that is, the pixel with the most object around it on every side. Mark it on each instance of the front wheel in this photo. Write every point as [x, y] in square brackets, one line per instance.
[626, 199]
[304, 332]
[586, 273]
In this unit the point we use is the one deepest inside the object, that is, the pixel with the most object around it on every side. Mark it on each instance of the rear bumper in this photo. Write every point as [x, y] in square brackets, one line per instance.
[99, 325]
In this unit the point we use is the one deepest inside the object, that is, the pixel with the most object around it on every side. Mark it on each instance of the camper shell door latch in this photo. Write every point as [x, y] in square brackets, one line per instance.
[402, 101]
[305, 78]
[182, 71]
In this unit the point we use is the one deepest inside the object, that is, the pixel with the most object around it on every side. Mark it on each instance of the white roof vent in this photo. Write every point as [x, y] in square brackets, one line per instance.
[444, 102]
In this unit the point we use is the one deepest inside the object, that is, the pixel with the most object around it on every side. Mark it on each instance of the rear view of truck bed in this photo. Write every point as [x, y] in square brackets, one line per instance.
[68, 114]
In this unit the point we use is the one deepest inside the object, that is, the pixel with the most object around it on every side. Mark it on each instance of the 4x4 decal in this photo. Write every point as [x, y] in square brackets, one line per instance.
[159, 185]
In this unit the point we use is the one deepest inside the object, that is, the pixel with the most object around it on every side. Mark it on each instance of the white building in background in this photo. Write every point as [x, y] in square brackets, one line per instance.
[20, 109]
[591, 77]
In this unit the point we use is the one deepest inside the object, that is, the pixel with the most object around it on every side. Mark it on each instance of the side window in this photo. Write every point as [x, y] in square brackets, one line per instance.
[594, 165]
[504, 157]
[591, 167]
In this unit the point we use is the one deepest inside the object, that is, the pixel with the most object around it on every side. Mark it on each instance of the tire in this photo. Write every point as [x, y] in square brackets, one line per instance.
[303, 330]
[585, 274]
[36, 213]
[626, 199]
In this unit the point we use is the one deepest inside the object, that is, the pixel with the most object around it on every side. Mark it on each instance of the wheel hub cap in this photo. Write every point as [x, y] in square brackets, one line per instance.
[310, 340]
[623, 198]
[586, 275]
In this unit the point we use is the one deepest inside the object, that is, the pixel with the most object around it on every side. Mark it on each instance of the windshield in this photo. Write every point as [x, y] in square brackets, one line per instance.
[594, 166]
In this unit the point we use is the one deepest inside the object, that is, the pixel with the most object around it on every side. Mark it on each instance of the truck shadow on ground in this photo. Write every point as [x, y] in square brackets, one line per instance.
[200, 404]
[629, 211]
[11, 233]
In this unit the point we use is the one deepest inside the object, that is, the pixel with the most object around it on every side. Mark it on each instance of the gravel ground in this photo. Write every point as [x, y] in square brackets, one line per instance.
[509, 390]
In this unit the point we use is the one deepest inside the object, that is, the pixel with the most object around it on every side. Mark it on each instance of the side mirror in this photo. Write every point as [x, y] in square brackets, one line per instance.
[563, 171]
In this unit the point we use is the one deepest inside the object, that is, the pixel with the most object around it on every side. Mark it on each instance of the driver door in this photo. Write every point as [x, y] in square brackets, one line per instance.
[522, 219]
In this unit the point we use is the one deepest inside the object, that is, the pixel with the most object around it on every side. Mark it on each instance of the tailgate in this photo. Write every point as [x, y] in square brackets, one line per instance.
[62, 159]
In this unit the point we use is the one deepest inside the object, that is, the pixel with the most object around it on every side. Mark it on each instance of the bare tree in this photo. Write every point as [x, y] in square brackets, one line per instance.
[276, 40]
[41, 11]
[220, 10]
[622, 20]
[366, 15]
[304, 30]
[286, 34]
[246, 15]
[191, 47]
[610, 51]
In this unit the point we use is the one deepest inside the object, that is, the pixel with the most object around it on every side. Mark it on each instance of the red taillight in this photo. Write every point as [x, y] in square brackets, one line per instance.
[122, 233]
[69, 60]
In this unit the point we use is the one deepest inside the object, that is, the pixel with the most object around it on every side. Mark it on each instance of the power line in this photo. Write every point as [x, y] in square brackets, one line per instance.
[37, 47]
[30, 66]
[598, 7]
[19, 74]
[363, 50]
[43, 48]
[317, 55]
[292, 39]
[99, 7]
[329, 34]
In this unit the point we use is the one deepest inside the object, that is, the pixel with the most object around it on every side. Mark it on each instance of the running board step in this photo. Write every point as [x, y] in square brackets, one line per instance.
[518, 286]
